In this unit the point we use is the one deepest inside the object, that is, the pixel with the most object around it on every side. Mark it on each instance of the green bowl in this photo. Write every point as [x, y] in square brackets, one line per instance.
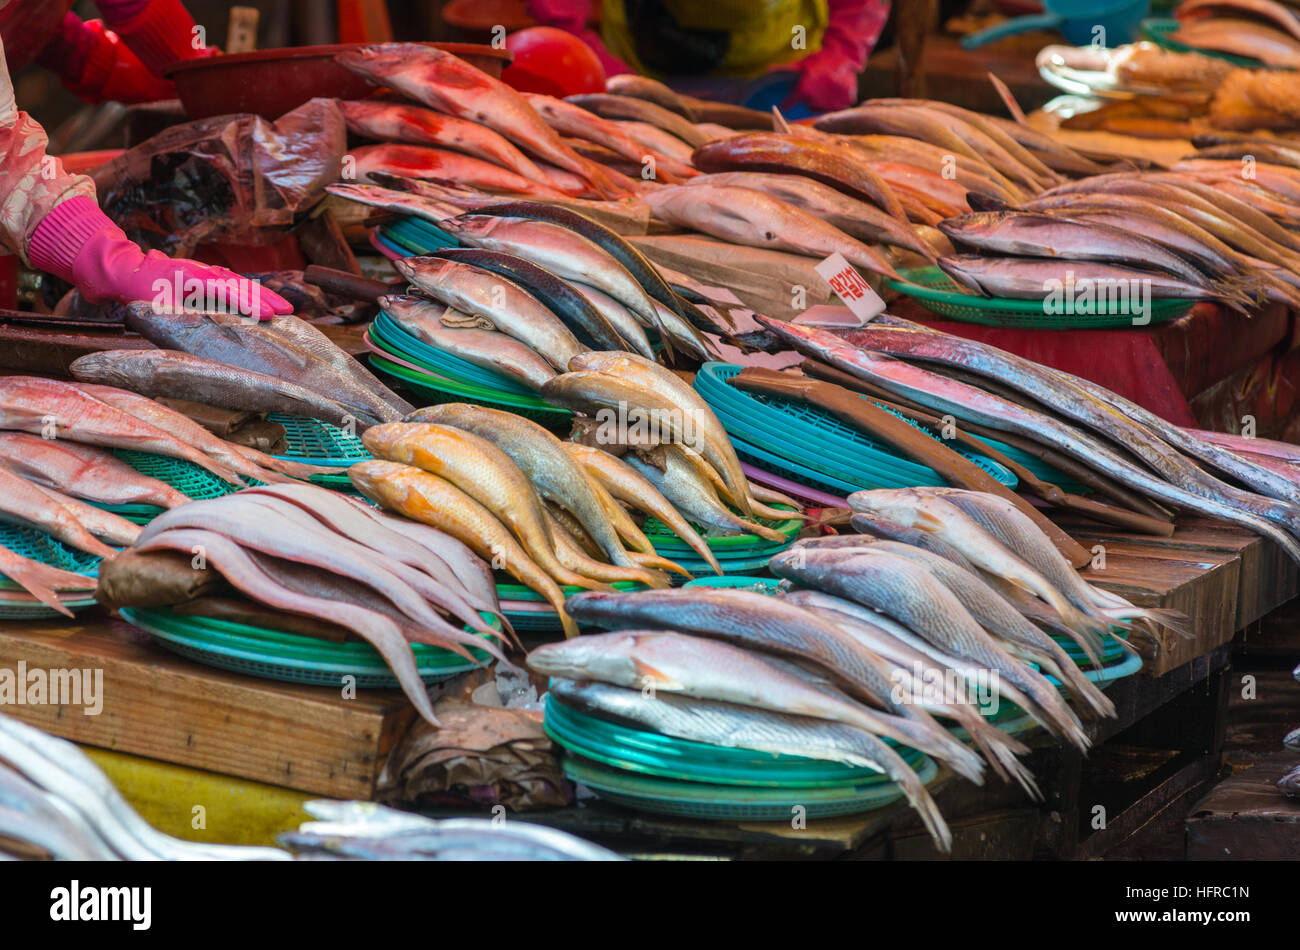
[941, 294]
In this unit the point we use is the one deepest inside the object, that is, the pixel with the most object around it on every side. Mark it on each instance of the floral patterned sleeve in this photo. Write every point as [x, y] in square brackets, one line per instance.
[31, 182]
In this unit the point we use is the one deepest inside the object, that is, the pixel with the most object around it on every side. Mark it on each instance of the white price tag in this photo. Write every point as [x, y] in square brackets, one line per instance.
[850, 286]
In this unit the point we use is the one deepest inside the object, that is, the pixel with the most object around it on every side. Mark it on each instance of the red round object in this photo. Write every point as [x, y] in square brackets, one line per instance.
[552, 62]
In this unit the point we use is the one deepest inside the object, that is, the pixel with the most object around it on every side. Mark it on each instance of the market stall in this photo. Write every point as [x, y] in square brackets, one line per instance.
[673, 477]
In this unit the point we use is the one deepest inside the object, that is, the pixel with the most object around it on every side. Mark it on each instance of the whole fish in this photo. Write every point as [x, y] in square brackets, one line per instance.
[1033, 278]
[975, 176]
[187, 430]
[553, 472]
[1042, 235]
[574, 310]
[727, 114]
[854, 217]
[666, 417]
[658, 140]
[651, 90]
[964, 401]
[772, 152]
[49, 408]
[650, 376]
[922, 188]
[610, 106]
[418, 494]
[634, 262]
[108, 527]
[176, 375]
[490, 298]
[84, 471]
[908, 593]
[757, 219]
[236, 566]
[680, 482]
[762, 623]
[628, 485]
[444, 165]
[577, 122]
[1290, 783]
[486, 474]
[1292, 740]
[908, 121]
[399, 201]
[614, 312]
[449, 84]
[560, 250]
[490, 349]
[413, 125]
[303, 357]
[701, 669]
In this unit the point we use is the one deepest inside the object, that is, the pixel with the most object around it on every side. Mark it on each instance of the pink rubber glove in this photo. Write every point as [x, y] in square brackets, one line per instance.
[160, 32]
[828, 79]
[77, 242]
[571, 16]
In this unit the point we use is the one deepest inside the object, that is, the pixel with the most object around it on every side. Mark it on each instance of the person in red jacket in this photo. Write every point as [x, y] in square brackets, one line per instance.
[50, 218]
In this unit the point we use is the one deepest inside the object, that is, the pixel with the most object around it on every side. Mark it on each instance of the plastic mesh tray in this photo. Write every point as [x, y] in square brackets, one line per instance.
[417, 235]
[41, 547]
[390, 335]
[314, 442]
[730, 802]
[814, 438]
[941, 294]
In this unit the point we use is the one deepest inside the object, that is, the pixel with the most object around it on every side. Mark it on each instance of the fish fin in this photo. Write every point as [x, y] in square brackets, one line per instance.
[653, 561]
[929, 523]
[654, 677]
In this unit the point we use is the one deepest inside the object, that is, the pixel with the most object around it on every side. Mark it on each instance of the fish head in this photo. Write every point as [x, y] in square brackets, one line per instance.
[1292, 740]
[380, 439]
[902, 508]
[378, 480]
[607, 657]
[1290, 783]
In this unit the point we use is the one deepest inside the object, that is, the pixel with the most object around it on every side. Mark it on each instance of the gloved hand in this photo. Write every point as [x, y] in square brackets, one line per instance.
[827, 81]
[97, 66]
[160, 32]
[77, 242]
[571, 16]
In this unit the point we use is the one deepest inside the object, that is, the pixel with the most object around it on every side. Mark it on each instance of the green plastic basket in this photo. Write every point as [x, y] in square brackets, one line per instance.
[289, 657]
[438, 389]
[313, 442]
[634, 749]
[730, 802]
[416, 235]
[1159, 29]
[389, 335]
[941, 294]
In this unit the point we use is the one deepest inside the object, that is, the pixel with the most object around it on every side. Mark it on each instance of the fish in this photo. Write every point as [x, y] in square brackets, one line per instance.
[500, 303]
[727, 114]
[1290, 783]
[755, 218]
[628, 485]
[54, 409]
[633, 261]
[449, 84]
[443, 165]
[1042, 235]
[651, 90]
[609, 106]
[665, 416]
[1292, 740]
[104, 525]
[398, 201]
[579, 557]
[414, 125]
[553, 472]
[976, 176]
[935, 391]
[908, 593]
[833, 165]
[680, 482]
[561, 250]
[287, 349]
[703, 669]
[650, 376]
[238, 567]
[1240, 38]
[1056, 156]
[762, 623]
[1275, 13]
[31, 815]
[617, 315]
[656, 139]
[240, 459]
[177, 375]
[486, 474]
[435, 501]
[84, 471]
[585, 322]
[42, 581]
[577, 122]
[490, 349]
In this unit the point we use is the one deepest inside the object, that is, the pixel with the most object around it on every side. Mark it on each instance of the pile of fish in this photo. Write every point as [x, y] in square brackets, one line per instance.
[532, 286]
[836, 664]
[280, 365]
[57, 471]
[1129, 454]
[1256, 29]
[311, 552]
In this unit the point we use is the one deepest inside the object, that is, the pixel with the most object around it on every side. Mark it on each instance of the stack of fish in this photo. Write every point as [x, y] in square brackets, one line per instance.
[281, 365]
[59, 475]
[1255, 29]
[311, 552]
[1132, 456]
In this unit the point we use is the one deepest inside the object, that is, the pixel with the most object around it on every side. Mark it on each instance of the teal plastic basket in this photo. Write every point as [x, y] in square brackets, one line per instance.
[388, 334]
[414, 235]
[288, 657]
[313, 442]
[41, 547]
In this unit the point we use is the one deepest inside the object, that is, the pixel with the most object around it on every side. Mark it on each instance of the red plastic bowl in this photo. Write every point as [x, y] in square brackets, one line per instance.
[271, 82]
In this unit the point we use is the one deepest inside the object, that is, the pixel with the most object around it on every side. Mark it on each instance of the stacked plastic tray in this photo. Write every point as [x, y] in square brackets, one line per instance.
[16, 603]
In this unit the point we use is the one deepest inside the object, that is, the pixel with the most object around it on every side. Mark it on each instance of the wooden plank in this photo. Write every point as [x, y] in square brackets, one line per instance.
[1247, 817]
[160, 705]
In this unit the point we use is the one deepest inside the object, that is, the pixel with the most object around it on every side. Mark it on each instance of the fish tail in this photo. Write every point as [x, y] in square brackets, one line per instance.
[774, 514]
[1173, 620]
[909, 783]
[1018, 770]
[655, 561]
[926, 735]
[1087, 631]
[1081, 689]
[26, 575]
[763, 531]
